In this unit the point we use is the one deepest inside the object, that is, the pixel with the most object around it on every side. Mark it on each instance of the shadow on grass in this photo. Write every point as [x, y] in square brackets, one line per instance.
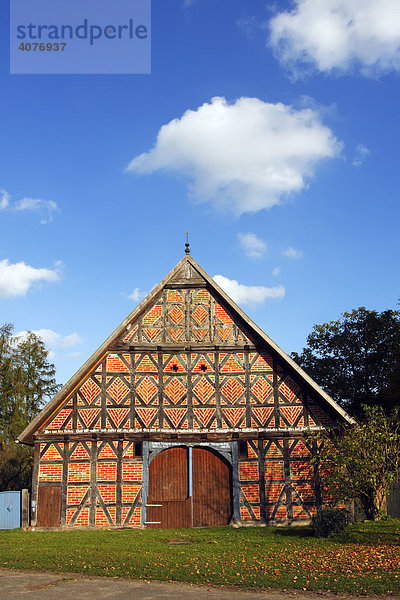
[297, 532]
[356, 536]
[360, 533]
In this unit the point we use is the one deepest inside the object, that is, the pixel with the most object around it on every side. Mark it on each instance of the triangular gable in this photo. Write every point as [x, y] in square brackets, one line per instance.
[145, 326]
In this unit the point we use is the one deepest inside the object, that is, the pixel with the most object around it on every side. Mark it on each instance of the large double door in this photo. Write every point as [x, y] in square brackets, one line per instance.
[189, 487]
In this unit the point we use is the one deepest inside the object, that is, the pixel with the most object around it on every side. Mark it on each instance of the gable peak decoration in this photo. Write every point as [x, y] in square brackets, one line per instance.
[187, 245]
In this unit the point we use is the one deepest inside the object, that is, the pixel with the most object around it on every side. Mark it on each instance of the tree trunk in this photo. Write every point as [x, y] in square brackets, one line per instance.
[374, 504]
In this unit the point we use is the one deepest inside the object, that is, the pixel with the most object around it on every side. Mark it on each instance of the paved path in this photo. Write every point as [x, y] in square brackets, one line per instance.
[68, 586]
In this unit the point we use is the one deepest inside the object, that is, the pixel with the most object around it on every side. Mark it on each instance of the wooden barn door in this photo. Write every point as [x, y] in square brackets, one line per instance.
[49, 506]
[169, 504]
[189, 487]
[212, 500]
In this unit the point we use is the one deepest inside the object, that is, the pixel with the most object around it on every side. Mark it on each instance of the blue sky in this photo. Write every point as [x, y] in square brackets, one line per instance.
[285, 171]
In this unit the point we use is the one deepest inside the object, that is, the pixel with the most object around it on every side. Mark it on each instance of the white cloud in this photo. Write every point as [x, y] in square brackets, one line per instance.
[338, 35]
[137, 295]
[242, 157]
[276, 272]
[4, 199]
[360, 154]
[292, 253]
[54, 340]
[45, 208]
[48, 336]
[248, 294]
[71, 340]
[17, 278]
[252, 244]
[34, 204]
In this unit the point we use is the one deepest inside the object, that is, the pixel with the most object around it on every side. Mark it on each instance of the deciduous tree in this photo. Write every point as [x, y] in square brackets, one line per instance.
[362, 462]
[356, 359]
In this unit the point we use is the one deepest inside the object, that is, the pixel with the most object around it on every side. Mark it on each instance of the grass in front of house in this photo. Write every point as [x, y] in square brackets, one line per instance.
[364, 560]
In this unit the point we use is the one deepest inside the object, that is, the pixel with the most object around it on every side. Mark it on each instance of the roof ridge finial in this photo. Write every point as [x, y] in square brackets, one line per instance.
[187, 246]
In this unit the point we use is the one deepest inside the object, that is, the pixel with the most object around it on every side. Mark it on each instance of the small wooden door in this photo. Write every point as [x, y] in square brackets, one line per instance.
[189, 488]
[169, 504]
[49, 506]
[212, 500]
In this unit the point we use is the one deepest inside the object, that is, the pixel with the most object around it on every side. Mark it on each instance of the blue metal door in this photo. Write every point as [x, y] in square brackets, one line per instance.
[10, 510]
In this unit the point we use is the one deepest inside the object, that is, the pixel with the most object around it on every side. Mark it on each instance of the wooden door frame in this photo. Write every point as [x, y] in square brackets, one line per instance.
[228, 450]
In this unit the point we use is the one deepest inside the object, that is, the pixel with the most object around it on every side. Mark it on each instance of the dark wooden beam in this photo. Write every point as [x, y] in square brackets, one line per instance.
[118, 490]
[35, 481]
[93, 483]
[223, 436]
[174, 347]
[64, 483]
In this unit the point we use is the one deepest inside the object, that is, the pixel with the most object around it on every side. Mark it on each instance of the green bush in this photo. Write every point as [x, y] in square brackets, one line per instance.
[328, 521]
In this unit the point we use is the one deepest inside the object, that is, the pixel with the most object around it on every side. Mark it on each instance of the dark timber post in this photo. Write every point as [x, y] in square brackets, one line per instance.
[35, 483]
[235, 481]
[288, 485]
[145, 481]
[118, 490]
[261, 475]
[64, 484]
[93, 482]
[24, 508]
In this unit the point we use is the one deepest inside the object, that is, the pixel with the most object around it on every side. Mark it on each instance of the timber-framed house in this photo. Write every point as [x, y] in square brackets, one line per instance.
[187, 415]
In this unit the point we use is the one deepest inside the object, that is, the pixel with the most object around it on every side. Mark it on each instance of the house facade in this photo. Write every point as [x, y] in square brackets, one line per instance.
[187, 415]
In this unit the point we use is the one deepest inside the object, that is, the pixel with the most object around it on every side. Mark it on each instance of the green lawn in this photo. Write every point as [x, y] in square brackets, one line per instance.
[365, 560]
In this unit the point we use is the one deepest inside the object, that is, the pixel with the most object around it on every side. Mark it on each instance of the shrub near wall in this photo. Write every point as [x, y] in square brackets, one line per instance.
[328, 521]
